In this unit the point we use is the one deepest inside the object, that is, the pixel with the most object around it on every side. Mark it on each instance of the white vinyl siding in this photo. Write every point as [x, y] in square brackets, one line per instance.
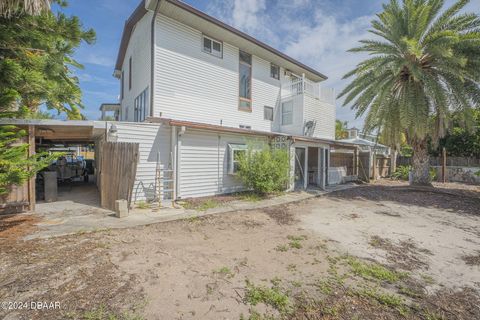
[194, 86]
[154, 140]
[138, 50]
[204, 163]
[323, 115]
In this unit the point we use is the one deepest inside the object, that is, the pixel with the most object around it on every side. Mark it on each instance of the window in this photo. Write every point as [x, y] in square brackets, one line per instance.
[268, 113]
[140, 106]
[245, 75]
[244, 126]
[234, 153]
[213, 47]
[130, 73]
[122, 79]
[274, 71]
[287, 113]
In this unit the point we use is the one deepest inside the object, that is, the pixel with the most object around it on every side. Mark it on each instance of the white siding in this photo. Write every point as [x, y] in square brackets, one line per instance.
[139, 49]
[323, 114]
[195, 86]
[204, 164]
[153, 139]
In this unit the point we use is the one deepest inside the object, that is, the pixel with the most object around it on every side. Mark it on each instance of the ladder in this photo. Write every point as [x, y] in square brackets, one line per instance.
[164, 185]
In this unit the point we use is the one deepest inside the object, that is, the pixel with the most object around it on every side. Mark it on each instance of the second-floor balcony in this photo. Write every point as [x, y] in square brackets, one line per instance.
[304, 86]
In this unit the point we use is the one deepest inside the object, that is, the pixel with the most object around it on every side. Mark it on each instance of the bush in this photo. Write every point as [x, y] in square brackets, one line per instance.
[265, 170]
[402, 173]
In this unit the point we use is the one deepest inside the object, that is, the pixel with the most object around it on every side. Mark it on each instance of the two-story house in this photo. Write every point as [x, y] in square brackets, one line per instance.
[194, 90]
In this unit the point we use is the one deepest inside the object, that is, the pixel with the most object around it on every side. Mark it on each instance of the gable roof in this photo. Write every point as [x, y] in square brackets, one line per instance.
[141, 10]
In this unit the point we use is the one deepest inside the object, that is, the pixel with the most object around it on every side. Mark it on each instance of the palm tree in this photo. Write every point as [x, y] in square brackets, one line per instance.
[426, 65]
[9, 8]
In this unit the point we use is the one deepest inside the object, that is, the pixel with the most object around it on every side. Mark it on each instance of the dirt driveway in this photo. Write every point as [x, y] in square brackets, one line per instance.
[374, 252]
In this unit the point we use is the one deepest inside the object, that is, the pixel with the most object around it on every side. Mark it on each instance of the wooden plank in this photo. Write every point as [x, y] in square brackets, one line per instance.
[31, 181]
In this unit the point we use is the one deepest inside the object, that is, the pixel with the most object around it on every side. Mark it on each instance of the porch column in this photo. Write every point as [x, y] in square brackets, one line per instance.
[305, 173]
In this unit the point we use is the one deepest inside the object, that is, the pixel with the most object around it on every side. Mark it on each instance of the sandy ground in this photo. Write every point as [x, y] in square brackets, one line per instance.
[416, 252]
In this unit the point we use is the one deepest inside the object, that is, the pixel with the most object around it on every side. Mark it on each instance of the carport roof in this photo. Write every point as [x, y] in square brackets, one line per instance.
[61, 131]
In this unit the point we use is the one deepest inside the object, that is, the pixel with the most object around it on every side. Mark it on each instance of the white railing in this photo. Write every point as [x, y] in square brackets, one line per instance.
[305, 86]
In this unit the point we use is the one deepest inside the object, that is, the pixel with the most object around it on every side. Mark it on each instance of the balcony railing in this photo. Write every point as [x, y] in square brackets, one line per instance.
[312, 89]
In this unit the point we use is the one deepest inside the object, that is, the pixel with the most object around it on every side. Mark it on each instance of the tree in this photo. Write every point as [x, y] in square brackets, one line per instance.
[341, 129]
[10, 8]
[35, 69]
[425, 64]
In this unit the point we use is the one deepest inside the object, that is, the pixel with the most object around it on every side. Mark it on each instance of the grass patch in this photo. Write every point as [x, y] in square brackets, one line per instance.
[374, 271]
[251, 196]
[142, 205]
[201, 205]
[225, 271]
[295, 241]
[387, 299]
[102, 314]
[281, 248]
[268, 296]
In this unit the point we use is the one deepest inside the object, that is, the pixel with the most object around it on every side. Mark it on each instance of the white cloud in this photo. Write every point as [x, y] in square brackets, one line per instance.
[96, 59]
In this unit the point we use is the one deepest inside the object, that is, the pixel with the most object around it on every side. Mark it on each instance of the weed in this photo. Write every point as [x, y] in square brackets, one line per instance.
[268, 296]
[101, 314]
[375, 271]
[325, 286]
[389, 300]
[428, 279]
[225, 271]
[292, 267]
[295, 244]
[193, 219]
[142, 205]
[276, 281]
[297, 238]
[201, 205]
[251, 196]
[281, 248]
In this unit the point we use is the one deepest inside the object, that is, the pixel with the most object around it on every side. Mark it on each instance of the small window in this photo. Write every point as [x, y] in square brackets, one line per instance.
[244, 126]
[235, 151]
[287, 113]
[122, 85]
[213, 47]
[268, 113]
[140, 106]
[130, 73]
[275, 71]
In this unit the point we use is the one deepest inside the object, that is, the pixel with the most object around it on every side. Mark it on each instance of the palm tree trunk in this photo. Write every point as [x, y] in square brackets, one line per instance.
[421, 163]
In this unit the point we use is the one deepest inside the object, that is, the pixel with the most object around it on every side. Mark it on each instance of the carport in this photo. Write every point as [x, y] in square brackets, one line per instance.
[92, 170]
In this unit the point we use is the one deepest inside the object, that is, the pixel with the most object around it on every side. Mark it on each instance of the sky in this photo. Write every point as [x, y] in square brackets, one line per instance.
[318, 33]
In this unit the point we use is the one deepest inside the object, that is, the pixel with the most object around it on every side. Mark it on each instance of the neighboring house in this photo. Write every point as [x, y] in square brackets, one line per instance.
[200, 90]
[366, 142]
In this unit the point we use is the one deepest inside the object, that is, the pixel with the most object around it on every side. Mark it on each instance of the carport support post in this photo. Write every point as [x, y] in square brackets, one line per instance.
[31, 181]
[444, 165]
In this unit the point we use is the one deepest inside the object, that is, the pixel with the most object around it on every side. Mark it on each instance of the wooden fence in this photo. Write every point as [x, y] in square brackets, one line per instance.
[438, 161]
[118, 167]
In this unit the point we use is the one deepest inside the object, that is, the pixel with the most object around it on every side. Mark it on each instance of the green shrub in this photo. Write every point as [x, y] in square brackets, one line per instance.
[265, 170]
[402, 173]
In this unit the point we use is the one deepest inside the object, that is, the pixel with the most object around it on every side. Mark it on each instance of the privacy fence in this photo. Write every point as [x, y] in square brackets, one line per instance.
[438, 161]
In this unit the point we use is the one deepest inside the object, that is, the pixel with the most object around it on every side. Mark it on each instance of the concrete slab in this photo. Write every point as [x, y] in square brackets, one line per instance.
[69, 217]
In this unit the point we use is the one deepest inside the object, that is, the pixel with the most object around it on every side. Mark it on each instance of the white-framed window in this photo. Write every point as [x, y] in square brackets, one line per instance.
[140, 106]
[244, 126]
[212, 46]
[268, 113]
[274, 71]
[287, 113]
[234, 152]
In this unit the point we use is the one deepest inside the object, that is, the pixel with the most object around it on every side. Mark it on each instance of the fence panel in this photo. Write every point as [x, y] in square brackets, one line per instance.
[437, 161]
[118, 167]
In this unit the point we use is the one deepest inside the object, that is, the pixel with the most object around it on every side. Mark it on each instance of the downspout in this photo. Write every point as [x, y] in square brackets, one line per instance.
[152, 58]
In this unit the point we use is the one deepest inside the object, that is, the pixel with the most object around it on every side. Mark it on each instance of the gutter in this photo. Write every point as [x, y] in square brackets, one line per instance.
[152, 58]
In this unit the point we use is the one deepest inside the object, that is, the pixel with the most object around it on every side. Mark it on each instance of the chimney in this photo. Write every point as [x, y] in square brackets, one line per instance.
[353, 133]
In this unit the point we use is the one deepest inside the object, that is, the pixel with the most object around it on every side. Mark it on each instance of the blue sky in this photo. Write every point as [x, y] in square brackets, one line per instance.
[316, 32]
